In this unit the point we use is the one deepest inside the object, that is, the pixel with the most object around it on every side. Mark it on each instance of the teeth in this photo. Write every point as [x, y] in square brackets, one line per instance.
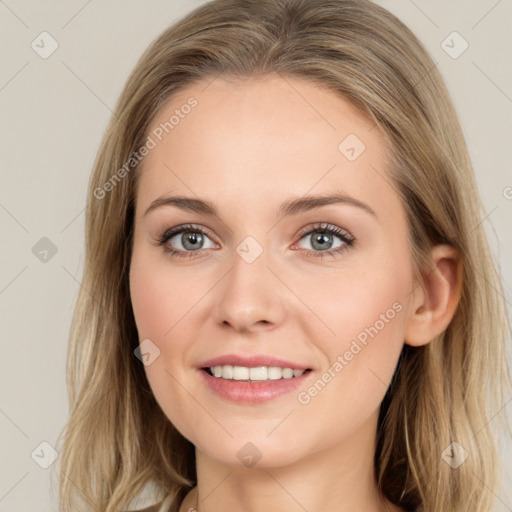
[258, 373]
[227, 371]
[239, 373]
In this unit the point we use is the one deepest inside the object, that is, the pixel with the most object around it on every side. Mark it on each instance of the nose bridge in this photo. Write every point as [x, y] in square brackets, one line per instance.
[248, 296]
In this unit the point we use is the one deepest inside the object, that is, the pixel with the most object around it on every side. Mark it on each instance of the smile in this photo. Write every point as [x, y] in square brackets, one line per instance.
[249, 374]
[253, 385]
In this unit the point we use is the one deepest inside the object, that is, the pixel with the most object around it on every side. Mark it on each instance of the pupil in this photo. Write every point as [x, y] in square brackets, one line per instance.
[191, 240]
[322, 239]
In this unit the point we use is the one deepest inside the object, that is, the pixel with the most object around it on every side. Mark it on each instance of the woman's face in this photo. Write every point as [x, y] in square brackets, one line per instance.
[293, 253]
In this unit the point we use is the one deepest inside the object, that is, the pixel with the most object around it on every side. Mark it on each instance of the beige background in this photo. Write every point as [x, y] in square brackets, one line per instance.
[54, 112]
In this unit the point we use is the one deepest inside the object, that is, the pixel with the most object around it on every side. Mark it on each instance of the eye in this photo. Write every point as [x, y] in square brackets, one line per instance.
[184, 240]
[325, 240]
[320, 241]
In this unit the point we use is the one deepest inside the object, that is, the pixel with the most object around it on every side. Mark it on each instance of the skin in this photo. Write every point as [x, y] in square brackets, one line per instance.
[247, 147]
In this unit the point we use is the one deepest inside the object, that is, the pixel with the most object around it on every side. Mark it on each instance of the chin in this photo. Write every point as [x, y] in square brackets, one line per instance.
[251, 452]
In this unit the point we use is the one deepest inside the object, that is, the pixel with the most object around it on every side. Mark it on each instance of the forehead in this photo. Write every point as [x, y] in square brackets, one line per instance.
[263, 140]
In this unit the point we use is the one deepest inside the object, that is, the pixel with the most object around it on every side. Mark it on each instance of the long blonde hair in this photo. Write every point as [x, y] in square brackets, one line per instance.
[118, 440]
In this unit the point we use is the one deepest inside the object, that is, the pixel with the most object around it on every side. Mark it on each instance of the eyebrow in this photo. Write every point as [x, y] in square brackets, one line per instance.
[290, 207]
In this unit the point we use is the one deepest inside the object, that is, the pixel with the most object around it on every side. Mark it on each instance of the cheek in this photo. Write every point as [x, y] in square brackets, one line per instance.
[158, 297]
[360, 361]
[150, 298]
[361, 296]
[160, 315]
[369, 308]
[365, 310]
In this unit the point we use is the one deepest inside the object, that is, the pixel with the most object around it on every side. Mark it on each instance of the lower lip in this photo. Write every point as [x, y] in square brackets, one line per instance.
[255, 392]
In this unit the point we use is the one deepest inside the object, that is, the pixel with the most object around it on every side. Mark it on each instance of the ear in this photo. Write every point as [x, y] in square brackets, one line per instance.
[435, 299]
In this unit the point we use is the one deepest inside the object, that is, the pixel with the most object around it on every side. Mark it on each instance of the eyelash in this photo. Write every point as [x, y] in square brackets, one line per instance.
[347, 239]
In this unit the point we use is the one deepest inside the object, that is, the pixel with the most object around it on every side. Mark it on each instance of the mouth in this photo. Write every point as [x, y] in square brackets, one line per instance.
[253, 379]
[249, 379]
[254, 374]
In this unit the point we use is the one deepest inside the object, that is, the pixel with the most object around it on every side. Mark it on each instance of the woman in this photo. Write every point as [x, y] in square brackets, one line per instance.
[288, 299]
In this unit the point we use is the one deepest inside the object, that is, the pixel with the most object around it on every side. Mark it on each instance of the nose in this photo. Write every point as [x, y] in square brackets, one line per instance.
[249, 298]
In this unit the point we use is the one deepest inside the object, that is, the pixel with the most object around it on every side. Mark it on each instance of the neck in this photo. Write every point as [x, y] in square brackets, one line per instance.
[334, 479]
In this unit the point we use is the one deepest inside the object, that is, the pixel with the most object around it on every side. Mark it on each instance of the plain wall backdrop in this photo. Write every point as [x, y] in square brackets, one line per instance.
[54, 110]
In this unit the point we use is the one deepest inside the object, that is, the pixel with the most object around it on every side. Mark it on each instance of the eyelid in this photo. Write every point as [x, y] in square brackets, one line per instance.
[163, 239]
[176, 230]
[347, 239]
[338, 231]
[332, 229]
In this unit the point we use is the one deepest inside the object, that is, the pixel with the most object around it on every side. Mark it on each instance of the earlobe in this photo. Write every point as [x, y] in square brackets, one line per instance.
[436, 298]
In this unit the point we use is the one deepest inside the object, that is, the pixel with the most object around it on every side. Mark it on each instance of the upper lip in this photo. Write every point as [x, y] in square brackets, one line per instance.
[252, 361]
